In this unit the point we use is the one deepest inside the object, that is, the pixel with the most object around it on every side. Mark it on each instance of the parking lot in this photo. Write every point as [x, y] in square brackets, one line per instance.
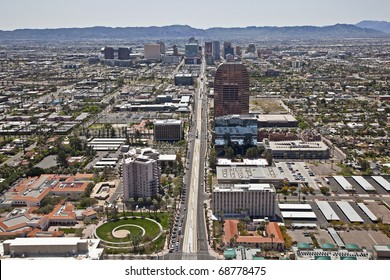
[379, 210]
[335, 187]
[298, 172]
[364, 238]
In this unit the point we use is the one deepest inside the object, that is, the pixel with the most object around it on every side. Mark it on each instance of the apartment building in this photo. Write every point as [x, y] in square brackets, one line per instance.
[141, 177]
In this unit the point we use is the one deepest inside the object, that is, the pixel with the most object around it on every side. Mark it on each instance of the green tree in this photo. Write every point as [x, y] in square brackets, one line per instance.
[132, 200]
[155, 204]
[229, 152]
[61, 158]
[252, 152]
[324, 190]
[149, 201]
[140, 201]
[213, 159]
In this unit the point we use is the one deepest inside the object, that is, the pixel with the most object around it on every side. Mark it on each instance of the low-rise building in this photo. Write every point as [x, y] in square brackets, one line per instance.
[53, 247]
[280, 120]
[297, 149]
[184, 79]
[241, 174]
[276, 242]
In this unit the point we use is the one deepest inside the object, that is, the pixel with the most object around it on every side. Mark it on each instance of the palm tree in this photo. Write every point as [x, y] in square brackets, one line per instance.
[115, 209]
[132, 200]
[155, 203]
[272, 241]
[149, 200]
[123, 209]
[140, 201]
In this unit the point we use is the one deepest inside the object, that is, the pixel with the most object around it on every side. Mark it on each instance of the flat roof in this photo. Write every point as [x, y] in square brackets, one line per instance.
[368, 212]
[383, 182]
[327, 211]
[292, 206]
[47, 241]
[363, 183]
[344, 183]
[382, 248]
[298, 215]
[13, 221]
[243, 187]
[246, 161]
[167, 157]
[248, 173]
[336, 237]
[161, 122]
[297, 146]
[351, 214]
[304, 225]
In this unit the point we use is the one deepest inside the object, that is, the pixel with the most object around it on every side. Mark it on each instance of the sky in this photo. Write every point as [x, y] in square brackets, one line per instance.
[16, 14]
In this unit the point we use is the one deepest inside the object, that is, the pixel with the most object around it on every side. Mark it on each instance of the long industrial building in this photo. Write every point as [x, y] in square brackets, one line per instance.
[257, 200]
[52, 247]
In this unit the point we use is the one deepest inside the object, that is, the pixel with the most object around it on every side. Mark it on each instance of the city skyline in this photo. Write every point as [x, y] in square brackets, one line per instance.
[42, 14]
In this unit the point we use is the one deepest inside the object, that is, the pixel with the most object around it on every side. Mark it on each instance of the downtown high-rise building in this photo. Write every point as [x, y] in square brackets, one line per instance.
[216, 47]
[231, 90]
[108, 52]
[124, 53]
[208, 47]
[141, 177]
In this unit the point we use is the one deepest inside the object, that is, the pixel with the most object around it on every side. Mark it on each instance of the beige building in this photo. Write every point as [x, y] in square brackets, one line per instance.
[256, 200]
[52, 247]
[152, 51]
[168, 130]
[141, 177]
[297, 149]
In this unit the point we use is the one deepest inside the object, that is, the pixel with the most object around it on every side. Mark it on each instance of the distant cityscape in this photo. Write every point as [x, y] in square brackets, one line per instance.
[196, 147]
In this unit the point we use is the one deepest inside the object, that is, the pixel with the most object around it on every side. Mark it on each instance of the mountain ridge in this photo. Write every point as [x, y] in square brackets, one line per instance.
[183, 31]
[383, 26]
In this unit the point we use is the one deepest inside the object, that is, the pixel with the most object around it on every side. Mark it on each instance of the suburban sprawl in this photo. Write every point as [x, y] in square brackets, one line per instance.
[195, 148]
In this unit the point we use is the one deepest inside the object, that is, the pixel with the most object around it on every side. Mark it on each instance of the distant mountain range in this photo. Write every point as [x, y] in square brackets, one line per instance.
[383, 26]
[184, 31]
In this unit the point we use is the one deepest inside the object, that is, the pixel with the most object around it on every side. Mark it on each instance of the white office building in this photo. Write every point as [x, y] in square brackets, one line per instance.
[256, 200]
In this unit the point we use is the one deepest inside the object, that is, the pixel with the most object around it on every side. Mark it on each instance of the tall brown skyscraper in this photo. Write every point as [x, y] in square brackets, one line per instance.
[231, 90]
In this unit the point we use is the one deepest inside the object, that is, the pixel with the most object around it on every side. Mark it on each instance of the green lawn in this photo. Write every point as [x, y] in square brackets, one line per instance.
[67, 230]
[105, 231]
[162, 217]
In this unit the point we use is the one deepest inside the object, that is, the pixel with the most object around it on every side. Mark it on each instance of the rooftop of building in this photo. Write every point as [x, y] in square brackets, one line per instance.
[297, 145]
[231, 230]
[170, 122]
[248, 173]
[244, 187]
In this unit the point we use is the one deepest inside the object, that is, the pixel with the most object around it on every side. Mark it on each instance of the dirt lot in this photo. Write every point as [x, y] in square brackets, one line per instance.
[266, 106]
[364, 238]
[322, 236]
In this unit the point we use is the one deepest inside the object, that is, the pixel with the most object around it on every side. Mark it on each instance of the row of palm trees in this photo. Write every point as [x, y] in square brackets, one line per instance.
[140, 200]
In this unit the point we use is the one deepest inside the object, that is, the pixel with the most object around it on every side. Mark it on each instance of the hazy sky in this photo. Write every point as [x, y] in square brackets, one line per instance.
[196, 13]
